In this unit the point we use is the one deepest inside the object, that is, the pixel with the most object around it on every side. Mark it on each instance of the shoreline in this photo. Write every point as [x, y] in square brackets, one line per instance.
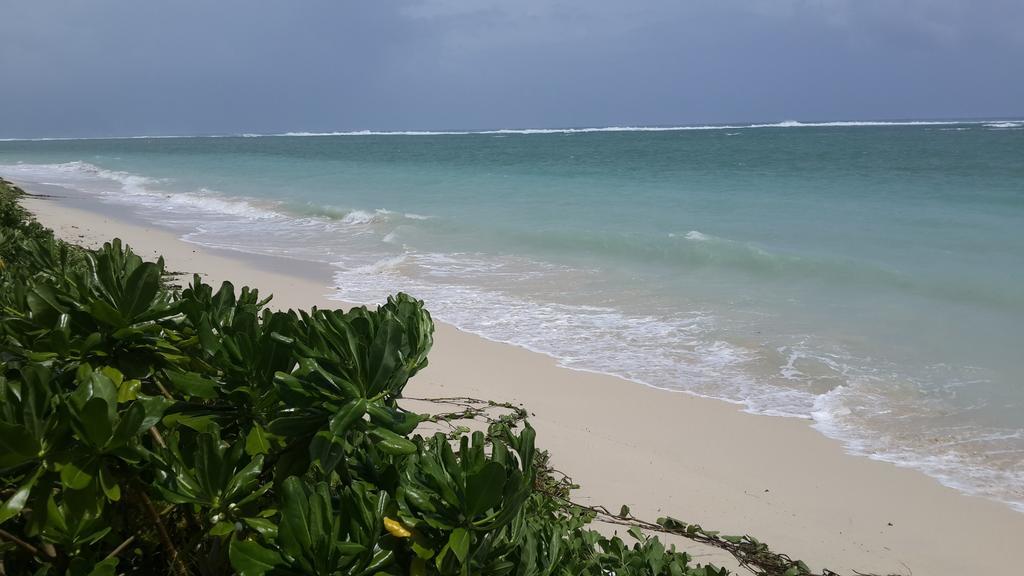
[775, 478]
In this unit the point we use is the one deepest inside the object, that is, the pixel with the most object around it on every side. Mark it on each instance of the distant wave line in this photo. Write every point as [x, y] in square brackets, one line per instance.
[682, 128]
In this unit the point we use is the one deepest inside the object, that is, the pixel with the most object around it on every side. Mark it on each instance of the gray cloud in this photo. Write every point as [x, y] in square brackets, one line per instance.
[128, 67]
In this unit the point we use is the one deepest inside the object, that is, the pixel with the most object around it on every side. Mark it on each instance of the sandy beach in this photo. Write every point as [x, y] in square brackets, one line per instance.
[662, 453]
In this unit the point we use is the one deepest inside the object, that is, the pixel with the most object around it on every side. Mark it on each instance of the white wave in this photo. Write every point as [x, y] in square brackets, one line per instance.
[140, 137]
[128, 188]
[1004, 125]
[580, 130]
[382, 266]
[360, 217]
[697, 236]
[841, 413]
[505, 131]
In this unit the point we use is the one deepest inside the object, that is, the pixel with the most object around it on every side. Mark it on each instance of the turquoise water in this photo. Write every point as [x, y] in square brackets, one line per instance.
[868, 277]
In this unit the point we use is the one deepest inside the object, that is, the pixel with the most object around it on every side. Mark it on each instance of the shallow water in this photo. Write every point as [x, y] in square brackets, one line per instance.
[870, 277]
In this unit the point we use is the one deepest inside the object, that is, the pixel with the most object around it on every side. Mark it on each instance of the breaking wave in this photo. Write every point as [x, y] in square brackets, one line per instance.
[567, 130]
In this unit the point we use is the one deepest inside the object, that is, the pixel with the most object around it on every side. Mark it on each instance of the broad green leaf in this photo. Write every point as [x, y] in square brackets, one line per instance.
[327, 449]
[113, 374]
[295, 533]
[256, 441]
[192, 384]
[293, 426]
[140, 289]
[458, 542]
[129, 427]
[94, 385]
[77, 475]
[106, 314]
[17, 445]
[484, 488]
[222, 528]
[265, 527]
[17, 501]
[109, 484]
[155, 406]
[245, 479]
[205, 424]
[107, 567]
[391, 443]
[128, 390]
[397, 420]
[347, 415]
[251, 559]
[95, 418]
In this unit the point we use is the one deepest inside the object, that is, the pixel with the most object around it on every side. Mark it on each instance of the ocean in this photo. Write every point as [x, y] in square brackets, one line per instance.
[868, 277]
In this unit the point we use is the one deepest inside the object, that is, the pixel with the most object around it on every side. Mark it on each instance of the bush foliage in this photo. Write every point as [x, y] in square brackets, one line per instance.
[146, 429]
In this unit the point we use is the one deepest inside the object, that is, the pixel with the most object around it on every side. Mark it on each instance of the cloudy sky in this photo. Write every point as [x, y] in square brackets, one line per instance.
[131, 67]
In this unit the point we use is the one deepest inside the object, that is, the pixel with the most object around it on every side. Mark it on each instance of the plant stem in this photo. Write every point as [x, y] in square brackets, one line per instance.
[18, 541]
[157, 437]
[177, 564]
[120, 548]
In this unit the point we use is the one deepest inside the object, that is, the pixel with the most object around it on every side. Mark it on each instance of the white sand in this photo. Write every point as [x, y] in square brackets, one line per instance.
[662, 453]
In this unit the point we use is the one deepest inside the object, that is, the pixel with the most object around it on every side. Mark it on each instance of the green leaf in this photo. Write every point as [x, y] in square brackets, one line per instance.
[17, 445]
[94, 385]
[327, 449]
[418, 499]
[95, 419]
[109, 485]
[395, 419]
[192, 384]
[76, 475]
[256, 441]
[204, 423]
[17, 501]
[222, 528]
[265, 527]
[391, 443]
[459, 543]
[155, 407]
[128, 390]
[250, 559]
[106, 314]
[246, 478]
[484, 488]
[347, 415]
[295, 425]
[107, 567]
[296, 532]
[129, 426]
[422, 551]
[140, 289]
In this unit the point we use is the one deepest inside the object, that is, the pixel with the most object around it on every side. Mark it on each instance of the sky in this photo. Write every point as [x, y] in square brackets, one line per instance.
[148, 67]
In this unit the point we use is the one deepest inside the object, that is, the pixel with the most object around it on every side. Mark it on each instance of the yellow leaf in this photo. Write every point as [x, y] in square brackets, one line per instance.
[396, 529]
